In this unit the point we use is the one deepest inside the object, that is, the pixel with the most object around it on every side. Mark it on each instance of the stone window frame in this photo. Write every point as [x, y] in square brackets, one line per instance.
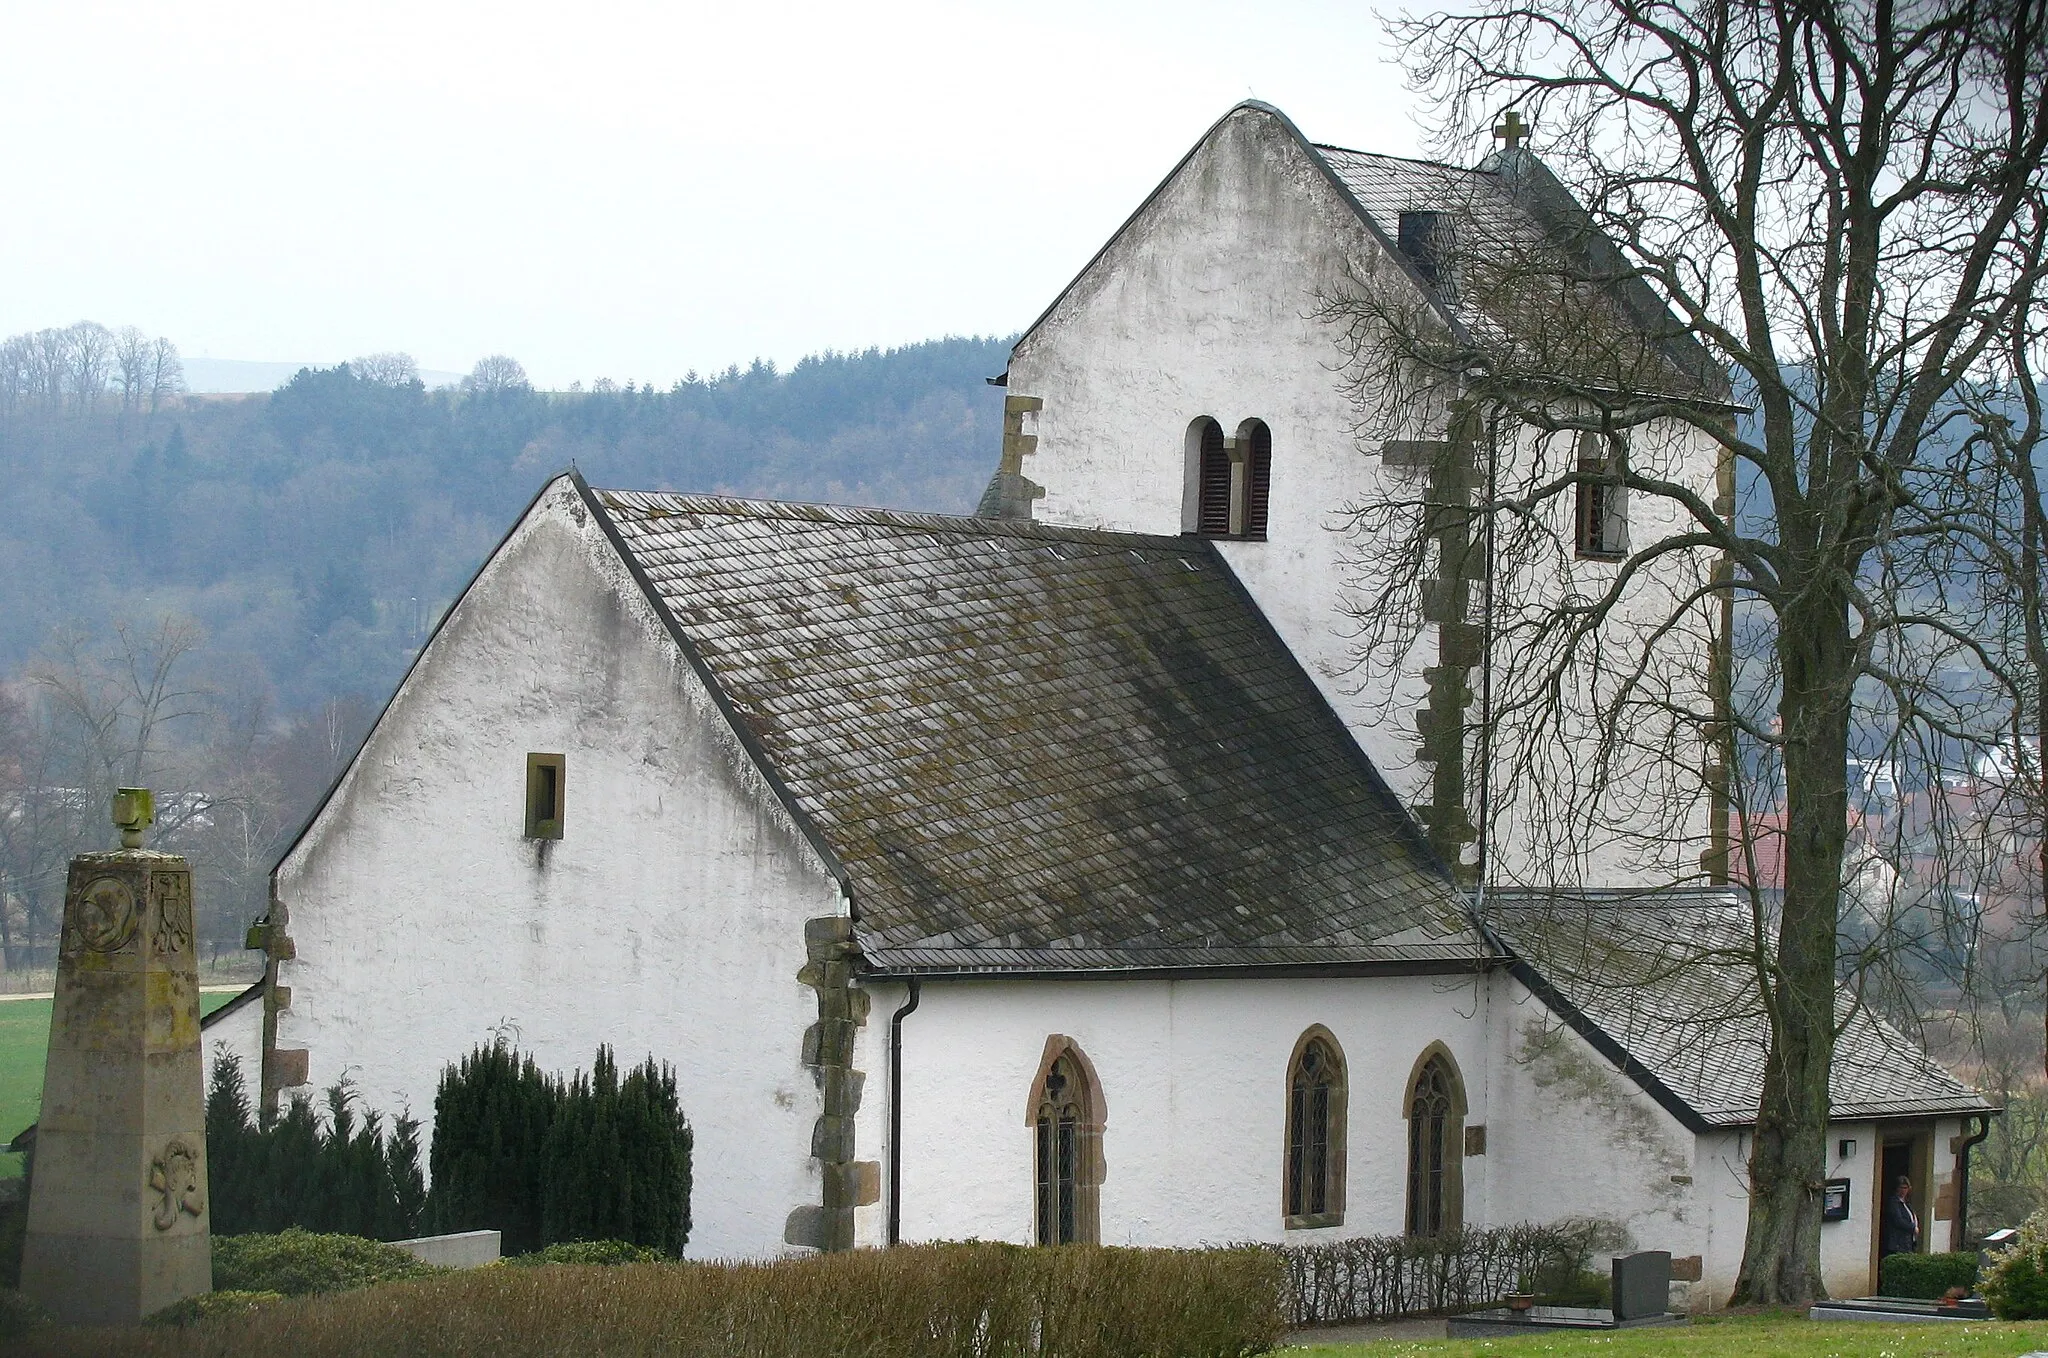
[1334, 1133]
[540, 768]
[1450, 1170]
[1090, 1167]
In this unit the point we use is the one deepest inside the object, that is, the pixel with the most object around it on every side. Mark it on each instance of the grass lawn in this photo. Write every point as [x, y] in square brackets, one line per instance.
[1747, 1336]
[24, 1038]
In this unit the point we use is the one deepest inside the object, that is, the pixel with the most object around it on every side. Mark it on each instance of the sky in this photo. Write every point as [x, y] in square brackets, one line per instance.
[619, 190]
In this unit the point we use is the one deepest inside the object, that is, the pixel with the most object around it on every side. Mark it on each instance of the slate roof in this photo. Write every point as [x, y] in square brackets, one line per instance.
[1662, 977]
[1033, 748]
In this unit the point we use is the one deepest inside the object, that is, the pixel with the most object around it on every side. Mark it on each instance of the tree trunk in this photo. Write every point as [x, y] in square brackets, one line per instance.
[1788, 1160]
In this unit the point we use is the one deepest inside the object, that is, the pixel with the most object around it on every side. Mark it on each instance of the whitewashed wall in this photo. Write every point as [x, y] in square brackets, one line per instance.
[1207, 305]
[240, 1034]
[1194, 1077]
[668, 918]
[1573, 1136]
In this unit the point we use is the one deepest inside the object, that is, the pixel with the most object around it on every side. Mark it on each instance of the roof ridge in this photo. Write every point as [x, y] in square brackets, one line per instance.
[966, 525]
[1408, 160]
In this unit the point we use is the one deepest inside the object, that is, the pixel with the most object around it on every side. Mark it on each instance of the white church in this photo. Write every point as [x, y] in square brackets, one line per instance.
[1055, 873]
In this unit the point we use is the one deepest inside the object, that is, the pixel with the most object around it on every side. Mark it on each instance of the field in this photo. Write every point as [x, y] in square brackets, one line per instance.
[24, 1036]
[1750, 1336]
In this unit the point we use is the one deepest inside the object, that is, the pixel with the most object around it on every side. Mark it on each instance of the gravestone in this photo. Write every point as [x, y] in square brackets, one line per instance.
[1642, 1284]
[117, 1220]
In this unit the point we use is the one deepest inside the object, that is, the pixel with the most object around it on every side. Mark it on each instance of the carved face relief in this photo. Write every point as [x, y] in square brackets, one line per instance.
[174, 913]
[103, 915]
[174, 1179]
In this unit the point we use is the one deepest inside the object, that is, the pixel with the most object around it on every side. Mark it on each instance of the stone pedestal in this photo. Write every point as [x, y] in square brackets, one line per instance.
[117, 1220]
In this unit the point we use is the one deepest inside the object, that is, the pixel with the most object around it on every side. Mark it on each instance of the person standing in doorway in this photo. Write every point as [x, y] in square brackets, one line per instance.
[1900, 1231]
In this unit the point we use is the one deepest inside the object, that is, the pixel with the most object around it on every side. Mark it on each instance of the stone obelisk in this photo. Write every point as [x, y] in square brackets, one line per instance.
[117, 1224]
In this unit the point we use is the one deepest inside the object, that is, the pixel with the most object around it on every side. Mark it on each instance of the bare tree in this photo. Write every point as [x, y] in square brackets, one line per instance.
[89, 351]
[1838, 203]
[389, 370]
[132, 369]
[495, 374]
[166, 374]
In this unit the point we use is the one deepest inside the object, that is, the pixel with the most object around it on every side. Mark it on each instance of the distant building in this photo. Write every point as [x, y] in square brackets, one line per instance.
[1041, 876]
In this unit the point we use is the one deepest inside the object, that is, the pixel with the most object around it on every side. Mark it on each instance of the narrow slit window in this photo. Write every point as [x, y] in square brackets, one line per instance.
[1602, 508]
[544, 792]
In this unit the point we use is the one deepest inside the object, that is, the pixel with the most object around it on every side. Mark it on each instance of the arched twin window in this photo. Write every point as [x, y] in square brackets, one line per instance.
[1435, 1109]
[1066, 1120]
[1230, 480]
[1317, 1096]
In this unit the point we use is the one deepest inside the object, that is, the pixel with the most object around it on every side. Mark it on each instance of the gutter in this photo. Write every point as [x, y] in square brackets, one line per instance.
[1961, 1237]
[907, 1008]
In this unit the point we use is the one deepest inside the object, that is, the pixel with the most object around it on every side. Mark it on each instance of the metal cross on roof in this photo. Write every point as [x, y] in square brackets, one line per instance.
[1511, 129]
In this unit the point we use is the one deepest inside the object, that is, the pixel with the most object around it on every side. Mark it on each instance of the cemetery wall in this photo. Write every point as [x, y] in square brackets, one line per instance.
[1194, 1077]
[667, 919]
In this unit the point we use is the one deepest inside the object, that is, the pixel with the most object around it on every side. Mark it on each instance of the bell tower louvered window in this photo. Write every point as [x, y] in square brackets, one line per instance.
[1230, 480]
[1213, 517]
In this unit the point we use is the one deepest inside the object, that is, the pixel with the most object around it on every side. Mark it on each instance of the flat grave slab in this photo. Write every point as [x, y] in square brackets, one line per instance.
[1900, 1308]
[1503, 1321]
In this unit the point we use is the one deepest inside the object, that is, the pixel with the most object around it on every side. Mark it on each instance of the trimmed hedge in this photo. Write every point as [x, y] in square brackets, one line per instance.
[211, 1306]
[919, 1301]
[1927, 1276]
[299, 1263]
[1381, 1277]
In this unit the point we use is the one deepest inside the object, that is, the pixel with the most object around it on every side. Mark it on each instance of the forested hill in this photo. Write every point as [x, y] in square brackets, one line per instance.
[314, 533]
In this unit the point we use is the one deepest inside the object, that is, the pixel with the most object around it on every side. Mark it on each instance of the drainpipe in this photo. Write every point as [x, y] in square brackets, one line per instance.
[1962, 1223]
[908, 1007]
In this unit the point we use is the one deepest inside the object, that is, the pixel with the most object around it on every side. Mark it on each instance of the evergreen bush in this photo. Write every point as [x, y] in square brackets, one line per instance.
[2015, 1280]
[297, 1263]
[348, 1175]
[1926, 1276]
[543, 1159]
[602, 1252]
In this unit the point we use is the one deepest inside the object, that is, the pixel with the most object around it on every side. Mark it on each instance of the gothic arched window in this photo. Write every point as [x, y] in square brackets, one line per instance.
[1066, 1120]
[1436, 1145]
[1316, 1097]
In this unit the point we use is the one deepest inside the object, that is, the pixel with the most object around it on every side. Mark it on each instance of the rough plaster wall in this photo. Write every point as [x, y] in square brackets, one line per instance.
[1574, 1137]
[1194, 1077]
[240, 1033]
[1205, 307]
[668, 919]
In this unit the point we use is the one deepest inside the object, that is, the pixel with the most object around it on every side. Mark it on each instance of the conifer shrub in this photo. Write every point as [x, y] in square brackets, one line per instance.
[2015, 1279]
[296, 1263]
[1927, 1276]
[346, 1175]
[543, 1159]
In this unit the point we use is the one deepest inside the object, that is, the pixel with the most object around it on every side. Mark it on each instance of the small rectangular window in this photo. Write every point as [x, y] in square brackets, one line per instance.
[544, 788]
